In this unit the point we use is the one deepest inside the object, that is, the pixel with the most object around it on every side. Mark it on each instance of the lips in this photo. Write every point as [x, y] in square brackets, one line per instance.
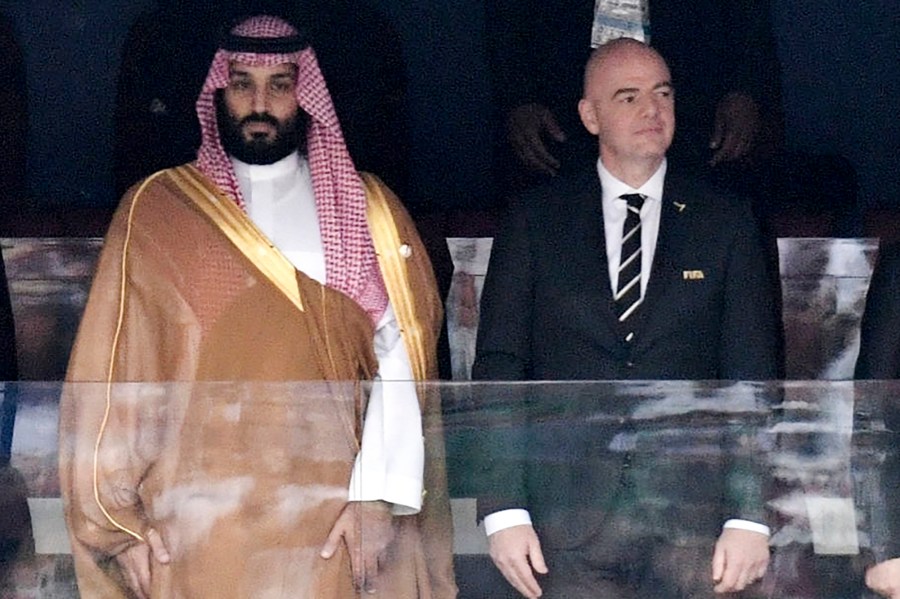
[257, 128]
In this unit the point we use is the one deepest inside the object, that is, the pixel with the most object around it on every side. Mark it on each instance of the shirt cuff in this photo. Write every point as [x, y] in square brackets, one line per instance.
[505, 519]
[403, 492]
[747, 525]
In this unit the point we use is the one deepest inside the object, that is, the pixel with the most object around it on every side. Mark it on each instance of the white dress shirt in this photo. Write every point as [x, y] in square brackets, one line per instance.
[615, 209]
[614, 213]
[389, 467]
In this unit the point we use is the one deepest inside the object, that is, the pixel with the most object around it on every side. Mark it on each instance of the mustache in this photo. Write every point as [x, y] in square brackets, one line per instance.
[260, 117]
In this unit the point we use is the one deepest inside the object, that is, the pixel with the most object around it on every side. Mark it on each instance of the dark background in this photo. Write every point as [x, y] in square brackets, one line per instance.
[840, 70]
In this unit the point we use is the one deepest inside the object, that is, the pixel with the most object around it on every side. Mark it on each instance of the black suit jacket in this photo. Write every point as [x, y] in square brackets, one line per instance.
[547, 311]
[879, 349]
[547, 314]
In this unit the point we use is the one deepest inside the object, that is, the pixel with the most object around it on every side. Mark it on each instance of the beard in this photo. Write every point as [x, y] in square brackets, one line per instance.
[289, 136]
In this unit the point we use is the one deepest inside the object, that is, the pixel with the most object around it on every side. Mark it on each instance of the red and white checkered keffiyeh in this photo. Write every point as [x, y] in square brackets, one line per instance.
[350, 262]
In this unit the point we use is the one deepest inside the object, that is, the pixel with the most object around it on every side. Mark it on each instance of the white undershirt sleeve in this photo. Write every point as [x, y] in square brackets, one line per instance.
[505, 519]
[390, 463]
[508, 518]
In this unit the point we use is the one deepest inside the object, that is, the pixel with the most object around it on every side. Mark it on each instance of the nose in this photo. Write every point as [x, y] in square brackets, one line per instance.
[260, 99]
[651, 105]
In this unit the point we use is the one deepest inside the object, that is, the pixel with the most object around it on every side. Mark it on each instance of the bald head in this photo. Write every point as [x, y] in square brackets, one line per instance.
[614, 51]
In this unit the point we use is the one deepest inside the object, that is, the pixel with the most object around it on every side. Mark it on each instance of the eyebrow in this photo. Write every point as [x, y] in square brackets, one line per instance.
[624, 91]
[635, 90]
[240, 72]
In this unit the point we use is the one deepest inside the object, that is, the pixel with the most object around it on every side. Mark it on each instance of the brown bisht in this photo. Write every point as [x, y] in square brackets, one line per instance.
[244, 477]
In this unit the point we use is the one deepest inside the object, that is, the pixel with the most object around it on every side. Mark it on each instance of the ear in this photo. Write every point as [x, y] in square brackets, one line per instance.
[587, 110]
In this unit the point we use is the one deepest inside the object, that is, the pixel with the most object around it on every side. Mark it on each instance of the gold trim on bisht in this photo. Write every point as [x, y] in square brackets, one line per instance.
[239, 230]
[110, 371]
[393, 252]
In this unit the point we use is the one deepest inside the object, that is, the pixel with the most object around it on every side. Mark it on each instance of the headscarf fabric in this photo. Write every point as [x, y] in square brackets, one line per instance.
[351, 265]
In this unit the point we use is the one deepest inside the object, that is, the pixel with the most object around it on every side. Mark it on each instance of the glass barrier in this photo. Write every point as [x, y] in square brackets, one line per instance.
[628, 486]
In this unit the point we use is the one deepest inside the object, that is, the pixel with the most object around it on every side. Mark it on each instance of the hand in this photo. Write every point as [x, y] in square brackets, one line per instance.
[135, 562]
[735, 129]
[739, 559]
[367, 528]
[884, 578]
[526, 127]
[516, 551]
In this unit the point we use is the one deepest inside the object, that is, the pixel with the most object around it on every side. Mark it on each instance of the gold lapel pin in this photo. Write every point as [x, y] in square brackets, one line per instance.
[680, 206]
[692, 275]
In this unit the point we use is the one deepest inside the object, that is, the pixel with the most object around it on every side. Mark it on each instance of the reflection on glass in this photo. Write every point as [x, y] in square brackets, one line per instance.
[243, 481]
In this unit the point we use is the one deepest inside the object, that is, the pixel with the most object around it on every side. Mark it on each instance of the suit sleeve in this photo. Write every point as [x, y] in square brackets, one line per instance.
[496, 454]
[879, 351]
[503, 348]
[748, 338]
[749, 351]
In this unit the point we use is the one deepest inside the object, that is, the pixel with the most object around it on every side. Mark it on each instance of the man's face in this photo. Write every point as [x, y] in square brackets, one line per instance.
[258, 113]
[629, 103]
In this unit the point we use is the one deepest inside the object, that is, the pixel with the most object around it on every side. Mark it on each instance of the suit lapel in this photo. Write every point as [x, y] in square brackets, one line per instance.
[597, 241]
[593, 219]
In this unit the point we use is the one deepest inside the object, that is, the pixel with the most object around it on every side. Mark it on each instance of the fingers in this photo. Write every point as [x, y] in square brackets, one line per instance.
[138, 583]
[551, 127]
[333, 540]
[874, 582]
[371, 566]
[517, 572]
[533, 153]
[377, 528]
[344, 530]
[715, 141]
[737, 577]
[527, 127]
[718, 563]
[884, 578]
[357, 562]
[367, 530]
[134, 564]
[733, 147]
[157, 547]
[515, 551]
[740, 558]
[536, 556]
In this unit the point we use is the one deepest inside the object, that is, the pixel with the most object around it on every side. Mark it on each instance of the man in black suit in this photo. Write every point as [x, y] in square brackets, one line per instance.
[700, 303]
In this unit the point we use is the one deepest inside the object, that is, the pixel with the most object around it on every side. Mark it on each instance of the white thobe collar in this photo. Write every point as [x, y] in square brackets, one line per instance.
[280, 200]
